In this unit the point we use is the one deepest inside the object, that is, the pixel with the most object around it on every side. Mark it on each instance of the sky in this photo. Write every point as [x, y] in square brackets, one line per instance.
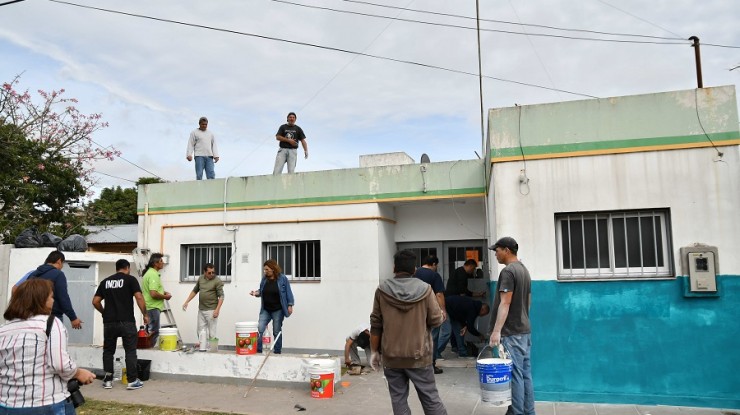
[360, 84]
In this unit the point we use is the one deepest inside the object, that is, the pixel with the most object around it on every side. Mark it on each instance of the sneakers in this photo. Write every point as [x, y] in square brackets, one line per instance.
[108, 381]
[137, 384]
[437, 370]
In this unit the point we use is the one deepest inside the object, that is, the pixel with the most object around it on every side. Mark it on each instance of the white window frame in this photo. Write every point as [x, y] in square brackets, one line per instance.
[299, 258]
[607, 270]
[224, 269]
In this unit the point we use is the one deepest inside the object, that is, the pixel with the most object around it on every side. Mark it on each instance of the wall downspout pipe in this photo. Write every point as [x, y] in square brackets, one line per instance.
[233, 230]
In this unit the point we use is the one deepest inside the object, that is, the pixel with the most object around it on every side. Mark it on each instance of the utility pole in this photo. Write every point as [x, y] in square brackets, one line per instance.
[697, 56]
[480, 81]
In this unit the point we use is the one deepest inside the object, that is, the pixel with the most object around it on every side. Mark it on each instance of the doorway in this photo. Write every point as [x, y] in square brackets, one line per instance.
[81, 287]
[452, 255]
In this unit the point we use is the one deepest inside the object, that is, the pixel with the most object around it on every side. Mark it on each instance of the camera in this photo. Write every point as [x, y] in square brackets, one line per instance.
[75, 396]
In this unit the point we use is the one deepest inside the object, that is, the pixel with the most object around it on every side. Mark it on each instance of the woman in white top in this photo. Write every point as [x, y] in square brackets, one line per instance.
[34, 368]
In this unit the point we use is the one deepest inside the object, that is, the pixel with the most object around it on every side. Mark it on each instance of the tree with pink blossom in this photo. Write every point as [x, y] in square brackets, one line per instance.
[53, 121]
[47, 158]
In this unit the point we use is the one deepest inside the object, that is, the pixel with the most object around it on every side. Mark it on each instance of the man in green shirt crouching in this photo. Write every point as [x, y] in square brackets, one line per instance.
[211, 298]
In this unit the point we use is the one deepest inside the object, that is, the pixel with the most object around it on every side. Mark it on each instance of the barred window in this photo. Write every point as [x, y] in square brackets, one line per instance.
[614, 245]
[300, 261]
[194, 257]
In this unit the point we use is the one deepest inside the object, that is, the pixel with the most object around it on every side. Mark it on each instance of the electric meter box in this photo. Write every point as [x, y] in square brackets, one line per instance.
[701, 264]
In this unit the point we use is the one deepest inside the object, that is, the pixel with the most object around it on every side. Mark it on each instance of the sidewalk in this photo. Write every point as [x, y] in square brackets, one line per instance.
[366, 394]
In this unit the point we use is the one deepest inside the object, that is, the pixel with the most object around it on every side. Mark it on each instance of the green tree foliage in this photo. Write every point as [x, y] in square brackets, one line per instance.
[37, 188]
[115, 205]
[149, 180]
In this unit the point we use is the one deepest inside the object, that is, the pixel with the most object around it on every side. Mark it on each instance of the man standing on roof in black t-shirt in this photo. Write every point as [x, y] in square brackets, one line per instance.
[289, 135]
[118, 292]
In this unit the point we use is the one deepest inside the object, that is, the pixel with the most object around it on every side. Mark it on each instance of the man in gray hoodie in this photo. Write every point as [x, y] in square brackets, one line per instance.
[405, 311]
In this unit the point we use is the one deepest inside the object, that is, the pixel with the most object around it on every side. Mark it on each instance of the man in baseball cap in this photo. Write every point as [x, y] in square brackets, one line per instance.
[511, 326]
[506, 242]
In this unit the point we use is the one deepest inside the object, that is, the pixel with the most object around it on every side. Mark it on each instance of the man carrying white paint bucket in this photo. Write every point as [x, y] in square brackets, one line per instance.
[511, 326]
[404, 312]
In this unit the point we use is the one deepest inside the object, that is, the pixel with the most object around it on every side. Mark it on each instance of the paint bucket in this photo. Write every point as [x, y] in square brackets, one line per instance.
[495, 377]
[246, 337]
[168, 339]
[495, 380]
[321, 378]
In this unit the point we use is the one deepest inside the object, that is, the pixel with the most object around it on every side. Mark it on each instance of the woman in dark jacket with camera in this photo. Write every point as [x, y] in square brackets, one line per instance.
[277, 302]
[34, 367]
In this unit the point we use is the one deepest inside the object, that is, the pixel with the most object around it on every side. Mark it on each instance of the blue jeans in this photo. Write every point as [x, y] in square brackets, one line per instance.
[445, 331]
[522, 390]
[462, 351]
[207, 163]
[153, 325]
[277, 327]
[60, 408]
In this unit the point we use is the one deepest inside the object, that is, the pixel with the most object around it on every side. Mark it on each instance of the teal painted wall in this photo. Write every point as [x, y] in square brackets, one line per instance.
[638, 342]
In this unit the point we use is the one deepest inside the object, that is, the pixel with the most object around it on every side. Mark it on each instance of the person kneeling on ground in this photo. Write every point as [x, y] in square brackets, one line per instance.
[360, 337]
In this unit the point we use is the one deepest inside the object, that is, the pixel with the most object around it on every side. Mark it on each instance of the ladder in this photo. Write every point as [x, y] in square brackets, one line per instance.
[170, 317]
[141, 258]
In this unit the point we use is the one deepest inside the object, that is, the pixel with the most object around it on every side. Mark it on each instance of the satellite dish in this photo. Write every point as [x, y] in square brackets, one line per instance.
[424, 158]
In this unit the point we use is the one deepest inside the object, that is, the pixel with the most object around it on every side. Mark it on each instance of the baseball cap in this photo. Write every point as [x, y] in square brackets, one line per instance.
[203, 119]
[506, 242]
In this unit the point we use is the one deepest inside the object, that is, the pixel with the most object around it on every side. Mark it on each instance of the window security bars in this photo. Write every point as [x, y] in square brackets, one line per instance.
[196, 256]
[614, 245]
[300, 261]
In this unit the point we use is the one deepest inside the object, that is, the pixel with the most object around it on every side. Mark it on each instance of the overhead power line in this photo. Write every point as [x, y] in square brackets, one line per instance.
[510, 32]
[458, 16]
[115, 177]
[128, 161]
[677, 38]
[11, 2]
[638, 17]
[294, 42]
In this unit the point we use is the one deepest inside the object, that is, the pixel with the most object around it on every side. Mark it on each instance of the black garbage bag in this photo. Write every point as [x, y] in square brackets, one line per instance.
[50, 240]
[73, 243]
[29, 238]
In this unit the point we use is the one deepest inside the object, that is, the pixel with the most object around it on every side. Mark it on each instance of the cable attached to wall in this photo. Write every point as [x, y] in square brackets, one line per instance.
[698, 118]
[523, 179]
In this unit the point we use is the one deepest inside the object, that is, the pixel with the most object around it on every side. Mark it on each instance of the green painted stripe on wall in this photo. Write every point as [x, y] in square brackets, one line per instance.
[717, 138]
[431, 194]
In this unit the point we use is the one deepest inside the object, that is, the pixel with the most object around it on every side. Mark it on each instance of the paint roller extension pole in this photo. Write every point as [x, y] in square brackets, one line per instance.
[269, 352]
